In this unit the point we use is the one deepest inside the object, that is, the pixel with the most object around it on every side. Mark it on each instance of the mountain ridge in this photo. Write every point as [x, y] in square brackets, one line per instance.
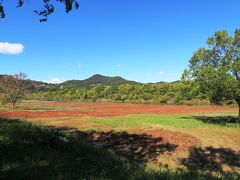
[96, 79]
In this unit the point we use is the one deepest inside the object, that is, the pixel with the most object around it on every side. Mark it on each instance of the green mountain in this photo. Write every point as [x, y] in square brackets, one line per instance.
[164, 82]
[98, 79]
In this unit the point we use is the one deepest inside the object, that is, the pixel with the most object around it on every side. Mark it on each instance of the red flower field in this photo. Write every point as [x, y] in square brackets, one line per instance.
[73, 109]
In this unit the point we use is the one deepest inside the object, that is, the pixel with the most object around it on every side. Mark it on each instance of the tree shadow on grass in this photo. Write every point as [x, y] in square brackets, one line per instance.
[40, 152]
[218, 120]
[221, 120]
[138, 147]
[213, 160]
[141, 148]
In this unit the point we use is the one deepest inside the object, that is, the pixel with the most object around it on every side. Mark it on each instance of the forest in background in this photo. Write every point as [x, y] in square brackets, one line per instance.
[100, 88]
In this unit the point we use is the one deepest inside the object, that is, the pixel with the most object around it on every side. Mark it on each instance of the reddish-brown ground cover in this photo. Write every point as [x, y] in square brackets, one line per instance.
[184, 141]
[108, 110]
[191, 148]
[141, 145]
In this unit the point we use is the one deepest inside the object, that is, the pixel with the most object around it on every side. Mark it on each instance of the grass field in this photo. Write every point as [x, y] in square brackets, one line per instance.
[118, 141]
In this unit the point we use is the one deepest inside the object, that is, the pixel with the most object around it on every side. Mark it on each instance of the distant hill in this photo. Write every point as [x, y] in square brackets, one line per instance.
[163, 82]
[98, 79]
[36, 86]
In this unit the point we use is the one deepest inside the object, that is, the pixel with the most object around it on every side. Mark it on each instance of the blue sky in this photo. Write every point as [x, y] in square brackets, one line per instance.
[141, 40]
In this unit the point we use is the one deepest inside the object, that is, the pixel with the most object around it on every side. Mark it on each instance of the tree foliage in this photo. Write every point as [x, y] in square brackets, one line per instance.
[216, 69]
[47, 8]
[140, 93]
[12, 88]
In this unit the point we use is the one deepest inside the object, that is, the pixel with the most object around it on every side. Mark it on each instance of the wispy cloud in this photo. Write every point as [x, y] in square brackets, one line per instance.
[119, 65]
[56, 80]
[79, 65]
[11, 48]
[160, 73]
[167, 74]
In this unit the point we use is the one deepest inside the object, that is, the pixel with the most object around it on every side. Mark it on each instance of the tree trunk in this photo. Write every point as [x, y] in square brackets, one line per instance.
[238, 102]
[238, 120]
[13, 105]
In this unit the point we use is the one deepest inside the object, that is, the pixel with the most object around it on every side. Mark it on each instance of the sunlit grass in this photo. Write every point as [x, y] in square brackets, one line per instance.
[179, 121]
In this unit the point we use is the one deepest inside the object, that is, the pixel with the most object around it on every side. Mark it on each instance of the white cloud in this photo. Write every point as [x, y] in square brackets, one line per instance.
[119, 65]
[11, 48]
[56, 80]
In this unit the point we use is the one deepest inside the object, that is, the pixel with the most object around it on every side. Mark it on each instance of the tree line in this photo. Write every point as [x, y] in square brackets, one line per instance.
[151, 93]
[181, 92]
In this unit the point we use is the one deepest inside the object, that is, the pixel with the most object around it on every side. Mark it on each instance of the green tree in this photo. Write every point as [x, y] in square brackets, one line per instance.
[96, 92]
[12, 89]
[187, 89]
[47, 9]
[217, 68]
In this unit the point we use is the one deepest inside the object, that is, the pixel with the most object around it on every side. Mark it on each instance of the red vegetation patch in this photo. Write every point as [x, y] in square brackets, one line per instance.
[182, 140]
[109, 110]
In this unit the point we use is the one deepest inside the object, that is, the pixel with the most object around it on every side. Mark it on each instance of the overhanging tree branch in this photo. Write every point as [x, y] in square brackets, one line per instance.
[47, 9]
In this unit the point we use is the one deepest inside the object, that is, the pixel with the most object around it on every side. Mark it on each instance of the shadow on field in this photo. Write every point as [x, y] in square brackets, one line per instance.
[220, 120]
[209, 160]
[137, 147]
[40, 152]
